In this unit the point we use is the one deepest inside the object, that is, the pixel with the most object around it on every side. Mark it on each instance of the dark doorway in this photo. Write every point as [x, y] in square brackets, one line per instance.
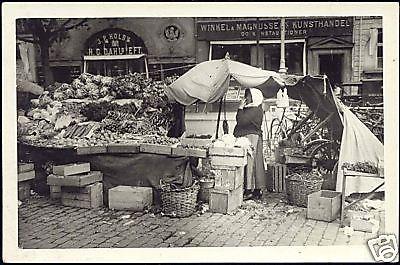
[332, 66]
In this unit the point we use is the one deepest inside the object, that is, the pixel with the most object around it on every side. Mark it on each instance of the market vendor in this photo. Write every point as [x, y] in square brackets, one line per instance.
[248, 124]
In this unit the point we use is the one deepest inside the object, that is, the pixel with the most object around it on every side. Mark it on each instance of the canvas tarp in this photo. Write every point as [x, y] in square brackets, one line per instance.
[358, 144]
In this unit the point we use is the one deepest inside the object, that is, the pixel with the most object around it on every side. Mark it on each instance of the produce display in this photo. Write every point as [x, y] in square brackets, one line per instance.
[96, 110]
[302, 173]
[373, 119]
[365, 167]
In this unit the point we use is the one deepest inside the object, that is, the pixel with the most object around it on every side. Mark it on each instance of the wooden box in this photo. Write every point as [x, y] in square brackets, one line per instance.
[277, 173]
[228, 179]
[194, 152]
[25, 167]
[24, 176]
[123, 148]
[55, 192]
[227, 151]
[156, 149]
[89, 197]
[24, 190]
[324, 205]
[226, 201]
[297, 159]
[233, 161]
[196, 142]
[87, 150]
[80, 180]
[71, 169]
[130, 198]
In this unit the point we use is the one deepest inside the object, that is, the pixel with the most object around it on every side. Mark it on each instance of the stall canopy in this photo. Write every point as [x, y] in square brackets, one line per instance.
[209, 81]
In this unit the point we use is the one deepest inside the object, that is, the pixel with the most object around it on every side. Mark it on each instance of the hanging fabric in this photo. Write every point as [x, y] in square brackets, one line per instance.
[225, 126]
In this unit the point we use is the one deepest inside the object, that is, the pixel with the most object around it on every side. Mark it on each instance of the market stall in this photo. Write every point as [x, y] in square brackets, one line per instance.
[120, 124]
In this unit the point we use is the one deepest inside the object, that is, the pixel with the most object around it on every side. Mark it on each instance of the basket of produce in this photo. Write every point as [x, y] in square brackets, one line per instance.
[302, 183]
[179, 202]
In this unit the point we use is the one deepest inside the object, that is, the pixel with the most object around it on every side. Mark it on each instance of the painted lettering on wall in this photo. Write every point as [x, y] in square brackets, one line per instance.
[114, 42]
[267, 29]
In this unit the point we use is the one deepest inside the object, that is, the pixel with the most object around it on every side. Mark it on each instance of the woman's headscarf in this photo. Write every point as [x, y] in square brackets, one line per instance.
[256, 96]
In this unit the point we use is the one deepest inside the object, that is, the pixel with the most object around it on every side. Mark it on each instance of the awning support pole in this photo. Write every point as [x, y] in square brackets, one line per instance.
[219, 117]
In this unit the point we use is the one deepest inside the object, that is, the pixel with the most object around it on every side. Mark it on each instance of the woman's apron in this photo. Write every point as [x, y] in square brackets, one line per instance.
[255, 172]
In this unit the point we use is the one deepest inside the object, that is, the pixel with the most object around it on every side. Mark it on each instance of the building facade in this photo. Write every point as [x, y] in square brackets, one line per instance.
[117, 46]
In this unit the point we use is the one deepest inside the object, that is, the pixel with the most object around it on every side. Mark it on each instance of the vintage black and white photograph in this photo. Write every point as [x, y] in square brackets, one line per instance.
[202, 131]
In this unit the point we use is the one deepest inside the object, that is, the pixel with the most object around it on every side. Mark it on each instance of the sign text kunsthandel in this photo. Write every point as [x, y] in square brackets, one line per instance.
[267, 29]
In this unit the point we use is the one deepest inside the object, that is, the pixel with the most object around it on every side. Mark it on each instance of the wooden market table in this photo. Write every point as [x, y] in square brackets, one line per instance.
[347, 173]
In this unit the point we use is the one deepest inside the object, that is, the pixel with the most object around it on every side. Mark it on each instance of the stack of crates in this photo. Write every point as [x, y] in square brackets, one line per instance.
[26, 173]
[76, 185]
[228, 167]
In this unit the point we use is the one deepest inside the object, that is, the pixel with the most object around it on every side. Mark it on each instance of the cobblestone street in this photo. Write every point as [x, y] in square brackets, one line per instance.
[46, 224]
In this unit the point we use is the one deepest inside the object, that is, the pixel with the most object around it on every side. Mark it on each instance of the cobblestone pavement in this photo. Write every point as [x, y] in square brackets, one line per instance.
[45, 224]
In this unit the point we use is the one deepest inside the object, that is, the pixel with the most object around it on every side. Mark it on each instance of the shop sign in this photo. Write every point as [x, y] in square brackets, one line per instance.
[270, 28]
[114, 42]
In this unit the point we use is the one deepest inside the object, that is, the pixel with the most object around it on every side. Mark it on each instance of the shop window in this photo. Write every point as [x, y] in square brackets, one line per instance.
[293, 57]
[115, 67]
[237, 52]
[380, 49]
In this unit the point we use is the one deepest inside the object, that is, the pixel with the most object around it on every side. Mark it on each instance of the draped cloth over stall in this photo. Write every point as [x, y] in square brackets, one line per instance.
[358, 144]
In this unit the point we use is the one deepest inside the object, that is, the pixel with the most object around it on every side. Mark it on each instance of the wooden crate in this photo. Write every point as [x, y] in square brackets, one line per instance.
[24, 190]
[87, 150]
[194, 152]
[55, 192]
[324, 205]
[130, 198]
[225, 201]
[123, 148]
[89, 197]
[156, 149]
[24, 176]
[277, 173]
[25, 167]
[71, 169]
[228, 179]
[227, 151]
[80, 180]
[196, 142]
[233, 161]
[298, 159]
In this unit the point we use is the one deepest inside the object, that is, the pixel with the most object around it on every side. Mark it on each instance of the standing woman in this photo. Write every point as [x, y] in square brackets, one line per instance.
[248, 124]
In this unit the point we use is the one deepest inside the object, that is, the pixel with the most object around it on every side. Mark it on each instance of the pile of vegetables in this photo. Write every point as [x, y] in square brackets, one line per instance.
[122, 108]
[365, 167]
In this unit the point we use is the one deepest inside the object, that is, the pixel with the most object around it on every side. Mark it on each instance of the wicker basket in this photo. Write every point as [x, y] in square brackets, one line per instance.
[298, 190]
[180, 202]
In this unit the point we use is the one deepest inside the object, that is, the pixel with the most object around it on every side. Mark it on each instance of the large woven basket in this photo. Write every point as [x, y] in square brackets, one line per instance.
[298, 190]
[180, 202]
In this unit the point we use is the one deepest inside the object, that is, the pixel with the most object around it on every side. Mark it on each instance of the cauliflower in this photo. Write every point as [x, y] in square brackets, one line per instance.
[229, 140]
[97, 79]
[77, 83]
[106, 80]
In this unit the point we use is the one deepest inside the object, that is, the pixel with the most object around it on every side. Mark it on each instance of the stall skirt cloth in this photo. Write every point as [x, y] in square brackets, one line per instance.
[145, 170]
